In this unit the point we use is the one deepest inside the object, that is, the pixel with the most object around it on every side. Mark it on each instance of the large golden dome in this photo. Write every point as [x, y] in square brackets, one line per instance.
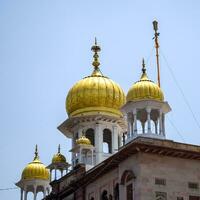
[35, 170]
[144, 89]
[95, 94]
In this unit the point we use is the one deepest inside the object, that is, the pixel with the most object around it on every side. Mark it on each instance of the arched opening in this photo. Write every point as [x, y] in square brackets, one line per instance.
[104, 195]
[107, 141]
[154, 121]
[90, 135]
[40, 195]
[127, 181]
[30, 196]
[142, 118]
[116, 192]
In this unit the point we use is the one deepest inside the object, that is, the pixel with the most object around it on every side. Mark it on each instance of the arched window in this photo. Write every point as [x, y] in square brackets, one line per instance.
[116, 192]
[90, 135]
[107, 141]
[104, 195]
[127, 181]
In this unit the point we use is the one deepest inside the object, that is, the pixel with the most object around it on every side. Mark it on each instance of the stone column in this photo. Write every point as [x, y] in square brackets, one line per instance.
[50, 174]
[156, 127]
[149, 120]
[80, 155]
[143, 127]
[135, 122]
[98, 143]
[160, 123]
[44, 192]
[92, 157]
[25, 195]
[55, 173]
[21, 194]
[129, 128]
[35, 193]
[163, 124]
[114, 139]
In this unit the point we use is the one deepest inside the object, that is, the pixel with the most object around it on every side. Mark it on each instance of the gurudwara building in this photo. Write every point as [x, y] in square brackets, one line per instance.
[119, 146]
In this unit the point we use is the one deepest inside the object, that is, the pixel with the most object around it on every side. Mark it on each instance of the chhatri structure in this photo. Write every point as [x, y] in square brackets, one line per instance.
[119, 146]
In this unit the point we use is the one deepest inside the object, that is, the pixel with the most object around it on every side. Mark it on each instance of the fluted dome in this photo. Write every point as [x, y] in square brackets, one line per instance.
[144, 89]
[95, 94]
[83, 140]
[58, 158]
[35, 170]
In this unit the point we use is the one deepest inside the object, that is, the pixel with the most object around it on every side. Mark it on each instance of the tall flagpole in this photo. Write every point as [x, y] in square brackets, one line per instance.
[156, 34]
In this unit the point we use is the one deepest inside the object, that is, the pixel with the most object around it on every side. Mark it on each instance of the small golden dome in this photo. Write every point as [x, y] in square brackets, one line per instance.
[83, 140]
[95, 94]
[144, 89]
[58, 158]
[35, 170]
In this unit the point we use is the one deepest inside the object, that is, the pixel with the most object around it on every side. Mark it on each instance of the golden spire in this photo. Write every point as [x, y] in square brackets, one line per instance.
[143, 66]
[59, 148]
[95, 48]
[156, 34]
[144, 75]
[36, 153]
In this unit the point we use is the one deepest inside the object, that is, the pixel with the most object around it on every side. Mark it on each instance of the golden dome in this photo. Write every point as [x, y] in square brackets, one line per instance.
[58, 158]
[95, 94]
[83, 140]
[35, 170]
[144, 89]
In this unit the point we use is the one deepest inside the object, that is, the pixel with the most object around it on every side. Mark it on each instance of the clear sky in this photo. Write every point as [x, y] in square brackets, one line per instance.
[45, 48]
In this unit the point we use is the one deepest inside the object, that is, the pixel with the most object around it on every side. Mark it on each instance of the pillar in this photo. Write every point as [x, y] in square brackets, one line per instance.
[143, 127]
[21, 194]
[149, 120]
[98, 143]
[135, 122]
[156, 127]
[44, 192]
[25, 195]
[160, 123]
[163, 124]
[50, 174]
[55, 174]
[35, 192]
[114, 139]
[92, 157]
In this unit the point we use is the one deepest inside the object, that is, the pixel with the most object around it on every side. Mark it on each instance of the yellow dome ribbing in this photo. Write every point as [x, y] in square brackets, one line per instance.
[35, 170]
[58, 158]
[83, 140]
[144, 89]
[95, 94]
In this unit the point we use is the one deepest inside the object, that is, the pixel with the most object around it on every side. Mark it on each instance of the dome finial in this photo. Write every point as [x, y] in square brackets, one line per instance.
[59, 148]
[143, 66]
[36, 152]
[95, 48]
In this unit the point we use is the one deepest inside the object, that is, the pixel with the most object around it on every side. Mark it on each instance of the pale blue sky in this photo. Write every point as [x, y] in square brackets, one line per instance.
[45, 48]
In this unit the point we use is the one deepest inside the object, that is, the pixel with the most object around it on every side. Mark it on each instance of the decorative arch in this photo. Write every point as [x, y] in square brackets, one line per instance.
[104, 195]
[90, 135]
[107, 141]
[127, 176]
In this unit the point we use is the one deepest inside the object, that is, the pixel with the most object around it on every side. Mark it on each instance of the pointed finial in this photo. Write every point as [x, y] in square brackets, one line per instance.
[143, 66]
[36, 152]
[95, 41]
[95, 48]
[59, 148]
[83, 132]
